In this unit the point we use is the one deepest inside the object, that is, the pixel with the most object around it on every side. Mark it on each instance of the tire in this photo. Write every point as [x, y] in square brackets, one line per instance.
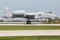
[28, 22]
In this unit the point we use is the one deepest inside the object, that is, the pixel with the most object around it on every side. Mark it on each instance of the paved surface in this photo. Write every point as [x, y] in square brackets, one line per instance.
[29, 32]
[20, 22]
[31, 24]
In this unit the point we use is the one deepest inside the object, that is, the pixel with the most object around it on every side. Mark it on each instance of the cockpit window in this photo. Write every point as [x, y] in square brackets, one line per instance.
[39, 14]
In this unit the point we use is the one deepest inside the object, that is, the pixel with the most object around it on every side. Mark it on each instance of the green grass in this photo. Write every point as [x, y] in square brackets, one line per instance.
[28, 27]
[31, 38]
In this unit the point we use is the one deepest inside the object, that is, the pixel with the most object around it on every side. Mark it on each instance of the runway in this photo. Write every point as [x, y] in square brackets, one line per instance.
[29, 32]
[30, 24]
[20, 22]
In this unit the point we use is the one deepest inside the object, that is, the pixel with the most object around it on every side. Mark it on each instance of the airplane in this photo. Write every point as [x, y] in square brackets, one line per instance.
[34, 15]
[21, 14]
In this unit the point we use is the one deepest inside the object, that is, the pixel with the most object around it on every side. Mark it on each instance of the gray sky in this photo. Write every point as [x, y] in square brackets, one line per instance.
[31, 5]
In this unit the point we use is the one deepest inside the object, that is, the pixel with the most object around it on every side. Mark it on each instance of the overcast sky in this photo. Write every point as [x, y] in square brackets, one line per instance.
[31, 5]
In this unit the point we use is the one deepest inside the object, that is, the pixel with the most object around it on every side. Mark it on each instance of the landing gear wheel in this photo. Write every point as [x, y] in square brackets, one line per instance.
[28, 22]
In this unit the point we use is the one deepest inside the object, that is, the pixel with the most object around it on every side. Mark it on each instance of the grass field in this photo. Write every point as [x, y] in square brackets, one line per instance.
[6, 27]
[31, 38]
